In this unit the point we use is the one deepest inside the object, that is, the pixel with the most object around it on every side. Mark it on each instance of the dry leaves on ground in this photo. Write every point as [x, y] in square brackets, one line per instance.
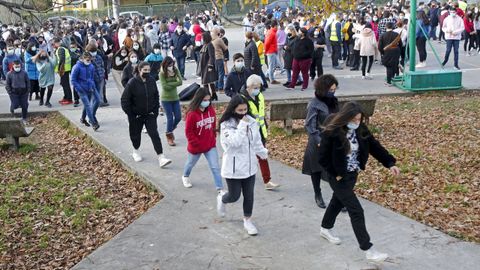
[436, 140]
[62, 196]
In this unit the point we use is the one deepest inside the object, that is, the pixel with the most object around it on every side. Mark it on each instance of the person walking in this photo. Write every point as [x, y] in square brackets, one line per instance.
[155, 60]
[453, 28]
[319, 44]
[344, 150]
[252, 59]
[423, 27]
[18, 86]
[256, 108]
[367, 44]
[220, 49]
[170, 79]
[46, 76]
[200, 130]
[470, 34]
[83, 82]
[142, 108]
[389, 46]
[179, 43]
[292, 39]
[323, 104]
[237, 78]
[207, 65]
[241, 142]
[261, 54]
[302, 59]
[129, 69]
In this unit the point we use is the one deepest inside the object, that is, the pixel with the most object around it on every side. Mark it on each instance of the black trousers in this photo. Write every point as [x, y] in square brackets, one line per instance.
[343, 195]
[34, 87]
[356, 59]
[135, 126]
[49, 93]
[65, 83]
[336, 52]
[391, 71]
[316, 178]
[364, 64]
[237, 186]
[422, 48]
[316, 68]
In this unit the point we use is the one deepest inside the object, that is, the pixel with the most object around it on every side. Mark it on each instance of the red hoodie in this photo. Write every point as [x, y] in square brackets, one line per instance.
[200, 130]
[271, 41]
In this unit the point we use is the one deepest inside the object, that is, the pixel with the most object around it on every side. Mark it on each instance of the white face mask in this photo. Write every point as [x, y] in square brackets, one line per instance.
[239, 64]
[156, 51]
[124, 54]
[453, 14]
[134, 60]
[179, 30]
[93, 54]
[17, 69]
[34, 49]
[136, 47]
[170, 68]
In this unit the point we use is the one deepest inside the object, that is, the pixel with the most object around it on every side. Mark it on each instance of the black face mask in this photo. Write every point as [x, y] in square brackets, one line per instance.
[239, 116]
[289, 35]
[145, 75]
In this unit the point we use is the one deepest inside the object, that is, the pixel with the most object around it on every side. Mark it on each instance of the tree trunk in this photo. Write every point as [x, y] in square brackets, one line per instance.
[116, 9]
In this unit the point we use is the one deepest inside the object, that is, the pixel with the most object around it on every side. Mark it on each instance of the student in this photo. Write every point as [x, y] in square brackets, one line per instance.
[170, 79]
[155, 59]
[323, 104]
[83, 82]
[63, 68]
[32, 71]
[237, 78]
[256, 108]
[9, 59]
[346, 144]
[127, 72]
[142, 108]
[46, 76]
[241, 142]
[17, 86]
[200, 130]
[389, 46]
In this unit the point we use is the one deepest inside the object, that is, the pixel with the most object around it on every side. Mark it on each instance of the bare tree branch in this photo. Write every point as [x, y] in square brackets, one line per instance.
[214, 3]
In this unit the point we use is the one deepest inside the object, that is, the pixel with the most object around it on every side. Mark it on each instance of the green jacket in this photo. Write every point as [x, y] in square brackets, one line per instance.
[169, 86]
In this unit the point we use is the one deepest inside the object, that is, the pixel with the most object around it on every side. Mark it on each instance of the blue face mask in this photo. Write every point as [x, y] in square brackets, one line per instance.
[330, 94]
[205, 103]
[352, 126]
[255, 92]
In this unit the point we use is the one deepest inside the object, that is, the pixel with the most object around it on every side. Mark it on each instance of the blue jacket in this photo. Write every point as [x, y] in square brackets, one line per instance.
[30, 67]
[82, 78]
[99, 68]
[8, 62]
[236, 81]
[180, 41]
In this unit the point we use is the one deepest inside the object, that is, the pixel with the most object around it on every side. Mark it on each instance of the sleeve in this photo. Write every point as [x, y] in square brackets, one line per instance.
[28, 59]
[381, 46]
[118, 61]
[61, 56]
[126, 99]
[125, 77]
[379, 152]
[5, 66]
[255, 57]
[8, 85]
[156, 98]
[74, 79]
[190, 131]
[211, 56]
[176, 83]
[233, 137]
[27, 81]
[229, 86]
[311, 123]
[258, 147]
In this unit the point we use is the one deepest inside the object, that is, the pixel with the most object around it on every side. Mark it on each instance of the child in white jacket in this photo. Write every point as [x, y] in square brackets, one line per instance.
[241, 143]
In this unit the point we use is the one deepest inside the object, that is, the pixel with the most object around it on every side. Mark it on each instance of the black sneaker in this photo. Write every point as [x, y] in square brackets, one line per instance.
[96, 126]
[103, 104]
[286, 84]
[76, 103]
[299, 83]
[83, 121]
[40, 103]
[48, 105]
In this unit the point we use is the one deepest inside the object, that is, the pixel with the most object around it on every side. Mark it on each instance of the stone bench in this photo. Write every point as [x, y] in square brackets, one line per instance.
[289, 110]
[12, 129]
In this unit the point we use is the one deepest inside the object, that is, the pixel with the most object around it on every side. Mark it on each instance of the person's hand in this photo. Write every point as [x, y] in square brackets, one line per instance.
[210, 69]
[338, 178]
[184, 48]
[245, 119]
[172, 48]
[395, 170]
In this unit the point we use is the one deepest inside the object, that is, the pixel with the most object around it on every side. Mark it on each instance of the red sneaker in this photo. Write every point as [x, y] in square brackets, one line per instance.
[62, 101]
[65, 102]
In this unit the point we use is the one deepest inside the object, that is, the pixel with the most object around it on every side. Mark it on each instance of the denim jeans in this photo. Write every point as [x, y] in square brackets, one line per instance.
[433, 33]
[100, 85]
[181, 65]
[272, 64]
[212, 159]
[455, 44]
[173, 114]
[90, 101]
[219, 66]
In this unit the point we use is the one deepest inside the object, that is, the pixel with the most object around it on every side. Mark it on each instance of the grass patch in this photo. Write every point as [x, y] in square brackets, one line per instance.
[26, 148]
[455, 188]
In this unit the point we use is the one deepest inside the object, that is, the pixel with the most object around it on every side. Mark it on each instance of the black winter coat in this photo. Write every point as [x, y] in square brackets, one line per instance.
[333, 156]
[303, 49]
[207, 61]
[140, 98]
[390, 57]
[127, 74]
[288, 55]
[236, 81]
[252, 60]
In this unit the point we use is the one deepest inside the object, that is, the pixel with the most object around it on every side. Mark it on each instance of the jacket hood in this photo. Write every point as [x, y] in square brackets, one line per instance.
[366, 32]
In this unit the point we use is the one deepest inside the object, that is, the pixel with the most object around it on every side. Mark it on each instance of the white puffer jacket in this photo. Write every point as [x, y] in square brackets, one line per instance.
[241, 143]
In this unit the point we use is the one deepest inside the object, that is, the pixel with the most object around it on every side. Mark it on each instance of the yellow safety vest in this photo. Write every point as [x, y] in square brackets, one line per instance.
[260, 48]
[259, 113]
[67, 66]
[333, 31]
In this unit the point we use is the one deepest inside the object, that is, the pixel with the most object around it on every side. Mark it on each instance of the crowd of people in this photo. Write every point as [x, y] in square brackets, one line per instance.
[148, 57]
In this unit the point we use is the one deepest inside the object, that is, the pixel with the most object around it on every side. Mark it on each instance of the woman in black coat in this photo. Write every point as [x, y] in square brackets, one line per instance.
[323, 104]
[288, 54]
[207, 65]
[319, 44]
[346, 145]
[252, 59]
[129, 69]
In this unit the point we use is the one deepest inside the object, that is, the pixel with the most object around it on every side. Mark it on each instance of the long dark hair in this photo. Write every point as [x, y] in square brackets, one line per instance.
[322, 86]
[230, 110]
[167, 62]
[337, 123]
[201, 93]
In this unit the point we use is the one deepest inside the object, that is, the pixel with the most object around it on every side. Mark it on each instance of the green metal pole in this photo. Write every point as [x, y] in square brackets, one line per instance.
[412, 33]
[291, 3]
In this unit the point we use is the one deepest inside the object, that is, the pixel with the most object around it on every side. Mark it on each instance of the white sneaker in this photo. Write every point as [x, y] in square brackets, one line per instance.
[363, 77]
[186, 182]
[221, 211]
[248, 225]
[136, 155]
[163, 161]
[373, 255]
[144, 130]
[271, 186]
[325, 233]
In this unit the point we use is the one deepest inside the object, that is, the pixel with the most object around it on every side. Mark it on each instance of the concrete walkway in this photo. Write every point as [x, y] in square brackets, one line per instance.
[183, 231]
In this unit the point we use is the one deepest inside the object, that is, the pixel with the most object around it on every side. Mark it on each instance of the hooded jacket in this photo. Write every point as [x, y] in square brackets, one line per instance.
[200, 130]
[82, 78]
[241, 143]
[367, 42]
